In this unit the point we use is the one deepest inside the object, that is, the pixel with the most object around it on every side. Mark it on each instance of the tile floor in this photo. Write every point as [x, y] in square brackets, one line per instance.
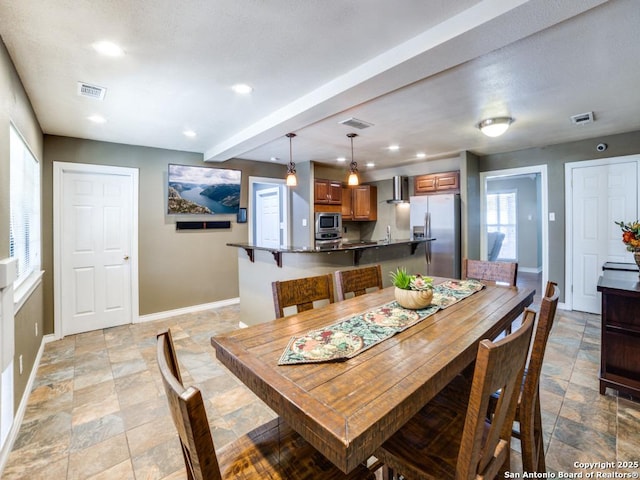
[97, 410]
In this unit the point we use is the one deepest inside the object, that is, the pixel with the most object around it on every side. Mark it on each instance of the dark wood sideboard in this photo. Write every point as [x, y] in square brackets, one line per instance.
[620, 348]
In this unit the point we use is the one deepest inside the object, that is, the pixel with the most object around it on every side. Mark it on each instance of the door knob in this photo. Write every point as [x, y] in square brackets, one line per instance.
[126, 257]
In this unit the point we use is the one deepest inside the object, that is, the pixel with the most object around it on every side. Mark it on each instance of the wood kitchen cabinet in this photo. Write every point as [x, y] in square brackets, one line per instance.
[360, 203]
[327, 192]
[620, 341]
[445, 182]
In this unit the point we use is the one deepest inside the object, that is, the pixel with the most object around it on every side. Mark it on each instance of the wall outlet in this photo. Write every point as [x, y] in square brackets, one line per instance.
[20, 361]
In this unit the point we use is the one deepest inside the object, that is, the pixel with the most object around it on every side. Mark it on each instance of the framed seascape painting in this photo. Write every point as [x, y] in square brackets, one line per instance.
[202, 190]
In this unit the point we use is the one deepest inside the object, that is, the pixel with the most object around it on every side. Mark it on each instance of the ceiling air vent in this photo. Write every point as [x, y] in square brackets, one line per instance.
[91, 91]
[355, 123]
[582, 118]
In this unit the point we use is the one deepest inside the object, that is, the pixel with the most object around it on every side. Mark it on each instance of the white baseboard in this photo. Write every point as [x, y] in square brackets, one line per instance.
[192, 309]
[19, 415]
[530, 269]
[49, 338]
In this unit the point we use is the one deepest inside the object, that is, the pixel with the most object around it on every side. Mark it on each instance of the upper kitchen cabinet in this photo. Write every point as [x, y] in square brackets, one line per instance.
[360, 203]
[445, 182]
[327, 192]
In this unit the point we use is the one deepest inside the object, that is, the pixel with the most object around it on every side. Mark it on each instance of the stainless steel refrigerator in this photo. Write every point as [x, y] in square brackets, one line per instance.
[438, 216]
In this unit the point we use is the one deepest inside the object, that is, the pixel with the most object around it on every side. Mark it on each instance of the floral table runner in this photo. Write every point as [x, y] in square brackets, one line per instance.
[351, 336]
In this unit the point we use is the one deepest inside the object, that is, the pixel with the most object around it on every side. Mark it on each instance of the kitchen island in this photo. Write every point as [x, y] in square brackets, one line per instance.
[258, 266]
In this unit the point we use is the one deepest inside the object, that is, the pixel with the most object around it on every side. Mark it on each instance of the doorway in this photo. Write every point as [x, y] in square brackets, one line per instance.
[95, 235]
[268, 212]
[598, 193]
[513, 216]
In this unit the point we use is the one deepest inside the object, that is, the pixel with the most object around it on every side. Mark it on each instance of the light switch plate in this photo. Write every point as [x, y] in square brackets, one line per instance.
[8, 271]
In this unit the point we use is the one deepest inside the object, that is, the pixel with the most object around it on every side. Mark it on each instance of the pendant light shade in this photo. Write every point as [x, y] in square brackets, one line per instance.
[353, 166]
[292, 181]
[494, 127]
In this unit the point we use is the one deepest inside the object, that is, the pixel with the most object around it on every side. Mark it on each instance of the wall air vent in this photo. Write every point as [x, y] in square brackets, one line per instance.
[582, 118]
[355, 123]
[91, 91]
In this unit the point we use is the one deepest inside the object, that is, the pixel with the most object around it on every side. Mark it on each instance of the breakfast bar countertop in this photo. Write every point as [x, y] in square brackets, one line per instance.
[345, 245]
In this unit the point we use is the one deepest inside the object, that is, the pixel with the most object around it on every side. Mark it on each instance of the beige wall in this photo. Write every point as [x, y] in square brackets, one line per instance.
[16, 109]
[176, 268]
[27, 341]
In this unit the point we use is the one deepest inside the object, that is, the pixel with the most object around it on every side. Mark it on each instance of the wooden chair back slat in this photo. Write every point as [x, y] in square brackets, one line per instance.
[357, 281]
[503, 272]
[301, 293]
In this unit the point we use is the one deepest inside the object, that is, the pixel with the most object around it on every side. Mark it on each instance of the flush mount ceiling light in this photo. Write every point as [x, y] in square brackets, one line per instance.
[189, 133]
[292, 181]
[353, 166]
[494, 127]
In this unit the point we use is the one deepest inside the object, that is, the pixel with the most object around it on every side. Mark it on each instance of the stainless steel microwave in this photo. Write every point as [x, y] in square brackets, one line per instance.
[328, 222]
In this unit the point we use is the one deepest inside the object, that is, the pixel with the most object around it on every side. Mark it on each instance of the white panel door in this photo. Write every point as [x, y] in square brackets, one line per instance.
[96, 244]
[268, 217]
[601, 195]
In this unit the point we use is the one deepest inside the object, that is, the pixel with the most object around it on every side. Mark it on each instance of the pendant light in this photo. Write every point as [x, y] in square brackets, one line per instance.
[353, 166]
[292, 181]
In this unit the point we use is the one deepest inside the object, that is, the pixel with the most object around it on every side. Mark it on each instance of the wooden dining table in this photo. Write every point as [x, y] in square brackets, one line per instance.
[347, 409]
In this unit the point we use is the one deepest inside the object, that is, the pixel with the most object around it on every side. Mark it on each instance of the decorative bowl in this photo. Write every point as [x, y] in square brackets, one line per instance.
[413, 299]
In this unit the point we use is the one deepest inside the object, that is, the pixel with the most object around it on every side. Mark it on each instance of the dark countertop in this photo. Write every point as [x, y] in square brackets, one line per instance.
[619, 276]
[344, 246]
[627, 267]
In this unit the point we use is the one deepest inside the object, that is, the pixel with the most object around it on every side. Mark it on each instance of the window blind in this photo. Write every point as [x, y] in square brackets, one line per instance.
[24, 198]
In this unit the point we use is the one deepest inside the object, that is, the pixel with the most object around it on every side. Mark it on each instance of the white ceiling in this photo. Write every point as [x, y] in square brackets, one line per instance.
[424, 72]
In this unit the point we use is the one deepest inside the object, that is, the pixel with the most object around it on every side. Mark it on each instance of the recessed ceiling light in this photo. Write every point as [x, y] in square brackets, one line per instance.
[421, 155]
[371, 164]
[341, 159]
[242, 88]
[274, 159]
[107, 48]
[394, 148]
[189, 133]
[97, 118]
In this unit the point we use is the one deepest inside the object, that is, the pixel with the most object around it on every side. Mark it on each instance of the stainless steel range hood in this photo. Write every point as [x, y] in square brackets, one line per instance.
[400, 190]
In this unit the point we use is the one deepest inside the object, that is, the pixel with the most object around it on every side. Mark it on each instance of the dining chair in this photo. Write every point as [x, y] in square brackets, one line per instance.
[450, 437]
[271, 451]
[357, 281]
[528, 413]
[495, 272]
[301, 293]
